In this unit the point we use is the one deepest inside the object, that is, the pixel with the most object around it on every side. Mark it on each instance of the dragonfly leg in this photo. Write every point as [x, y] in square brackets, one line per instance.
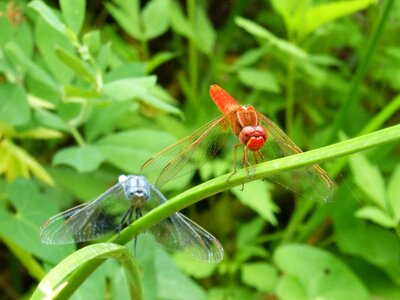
[138, 214]
[234, 161]
[246, 161]
[127, 215]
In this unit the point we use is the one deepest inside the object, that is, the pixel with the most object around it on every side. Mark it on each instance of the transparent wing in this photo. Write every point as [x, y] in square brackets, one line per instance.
[311, 181]
[87, 221]
[188, 154]
[179, 233]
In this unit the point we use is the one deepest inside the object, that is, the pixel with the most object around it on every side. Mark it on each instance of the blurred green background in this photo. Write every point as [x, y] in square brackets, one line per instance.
[92, 90]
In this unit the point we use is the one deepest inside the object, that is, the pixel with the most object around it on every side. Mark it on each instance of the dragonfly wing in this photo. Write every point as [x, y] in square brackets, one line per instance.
[310, 181]
[179, 233]
[188, 154]
[87, 221]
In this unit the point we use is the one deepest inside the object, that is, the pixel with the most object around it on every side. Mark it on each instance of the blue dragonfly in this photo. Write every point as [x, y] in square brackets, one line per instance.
[129, 199]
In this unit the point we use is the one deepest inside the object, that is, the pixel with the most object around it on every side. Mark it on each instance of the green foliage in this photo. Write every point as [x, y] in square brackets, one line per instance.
[89, 91]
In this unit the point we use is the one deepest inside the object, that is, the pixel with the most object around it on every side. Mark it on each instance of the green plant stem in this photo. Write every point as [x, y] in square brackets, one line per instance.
[222, 183]
[77, 136]
[193, 55]
[376, 123]
[263, 170]
[145, 49]
[351, 96]
[291, 68]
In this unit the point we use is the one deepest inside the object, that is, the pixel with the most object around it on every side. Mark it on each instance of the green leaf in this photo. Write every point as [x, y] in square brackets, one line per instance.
[205, 35]
[155, 18]
[126, 13]
[161, 277]
[74, 13]
[354, 235]
[158, 59]
[47, 40]
[393, 192]
[83, 159]
[193, 267]
[179, 22]
[320, 273]
[321, 14]
[19, 163]
[369, 179]
[281, 44]
[47, 14]
[19, 58]
[376, 215]
[75, 64]
[259, 79]
[261, 276]
[257, 196]
[50, 119]
[249, 231]
[129, 150]
[21, 224]
[14, 108]
[124, 89]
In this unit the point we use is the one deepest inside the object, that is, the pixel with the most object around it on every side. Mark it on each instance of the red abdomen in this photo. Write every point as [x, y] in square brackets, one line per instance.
[222, 99]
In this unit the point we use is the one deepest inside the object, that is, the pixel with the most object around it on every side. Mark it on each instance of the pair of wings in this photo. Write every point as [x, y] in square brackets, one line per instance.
[190, 153]
[104, 214]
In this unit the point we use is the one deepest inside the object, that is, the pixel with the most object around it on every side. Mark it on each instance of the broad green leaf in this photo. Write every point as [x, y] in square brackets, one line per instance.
[73, 12]
[261, 276]
[126, 13]
[155, 18]
[193, 267]
[76, 65]
[393, 192]
[256, 195]
[83, 159]
[103, 120]
[178, 20]
[21, 224]
[290, 288]
[249, 231]
[82, 186]
[376, 215]
[74, 92]
[50, 119]
[48, 15]
[354, 235]
[124, 89]
[92, 40]
[259, 31]
[321, 14]
[96, 254]
[18, 162]
[158, 59]
[129, 150]
[369, 179]
[22, 61]
[48, 40]
[320, 273]
[259, 79]
[205, 35]
[249, 58]
[161, 278]
[150, 99]
[14, 108]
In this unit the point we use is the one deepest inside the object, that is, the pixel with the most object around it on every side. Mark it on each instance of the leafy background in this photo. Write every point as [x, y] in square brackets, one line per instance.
[91, 90]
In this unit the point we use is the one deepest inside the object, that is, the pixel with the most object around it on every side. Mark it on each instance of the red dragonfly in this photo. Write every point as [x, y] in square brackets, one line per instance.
[256, 133]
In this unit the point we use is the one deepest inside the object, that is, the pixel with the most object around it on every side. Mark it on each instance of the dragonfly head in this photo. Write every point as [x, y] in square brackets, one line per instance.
[137, 189]
[254, 137]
